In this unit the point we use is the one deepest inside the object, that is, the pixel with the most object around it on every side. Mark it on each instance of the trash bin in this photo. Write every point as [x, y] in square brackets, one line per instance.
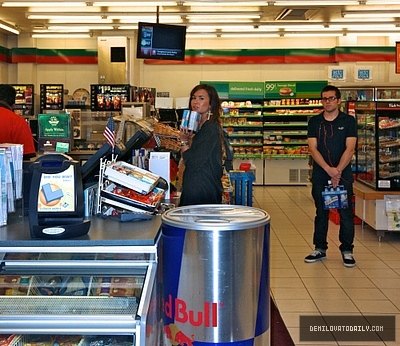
[215, 272]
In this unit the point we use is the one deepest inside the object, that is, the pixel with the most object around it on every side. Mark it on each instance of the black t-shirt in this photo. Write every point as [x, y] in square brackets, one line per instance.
[203, 167]
[331, 141]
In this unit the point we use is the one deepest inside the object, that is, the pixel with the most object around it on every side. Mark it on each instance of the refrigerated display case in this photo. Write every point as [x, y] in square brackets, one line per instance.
[102, 284]
[364, 165]
[388, 145]
[353, 95]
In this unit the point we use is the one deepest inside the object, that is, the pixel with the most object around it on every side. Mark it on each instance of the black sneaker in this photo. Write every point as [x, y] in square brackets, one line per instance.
[314, 256]
[348, 259]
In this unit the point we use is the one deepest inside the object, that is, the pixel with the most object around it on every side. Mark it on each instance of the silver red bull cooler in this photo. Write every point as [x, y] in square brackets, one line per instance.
[215, 273]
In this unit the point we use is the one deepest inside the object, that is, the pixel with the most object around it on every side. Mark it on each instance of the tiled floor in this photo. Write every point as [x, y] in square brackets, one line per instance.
[326, 287]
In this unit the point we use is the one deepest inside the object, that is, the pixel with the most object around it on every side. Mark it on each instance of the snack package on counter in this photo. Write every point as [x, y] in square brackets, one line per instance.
[129, 196]
[131, 176]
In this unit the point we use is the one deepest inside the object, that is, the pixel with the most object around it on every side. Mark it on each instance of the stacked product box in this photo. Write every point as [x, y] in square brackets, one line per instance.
[131, 188]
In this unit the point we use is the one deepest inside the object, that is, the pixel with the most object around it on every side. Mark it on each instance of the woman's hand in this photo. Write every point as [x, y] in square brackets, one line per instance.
[185, 134]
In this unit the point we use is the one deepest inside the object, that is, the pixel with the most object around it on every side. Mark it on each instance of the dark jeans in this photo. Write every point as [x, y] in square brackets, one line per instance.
[321, 221]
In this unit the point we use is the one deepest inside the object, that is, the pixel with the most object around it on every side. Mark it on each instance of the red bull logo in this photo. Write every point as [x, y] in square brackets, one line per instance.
[177, 337]
[207, 317]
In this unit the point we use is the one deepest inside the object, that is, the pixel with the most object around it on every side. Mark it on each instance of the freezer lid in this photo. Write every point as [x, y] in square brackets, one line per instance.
[213, 217]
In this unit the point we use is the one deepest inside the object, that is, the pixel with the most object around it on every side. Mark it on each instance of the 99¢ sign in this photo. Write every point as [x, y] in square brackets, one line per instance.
[280, 89]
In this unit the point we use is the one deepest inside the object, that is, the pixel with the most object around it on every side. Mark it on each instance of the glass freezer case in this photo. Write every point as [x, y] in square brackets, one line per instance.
[86, 288]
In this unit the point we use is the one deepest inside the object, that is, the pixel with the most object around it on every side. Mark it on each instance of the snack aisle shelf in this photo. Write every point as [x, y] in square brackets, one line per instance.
[243, 122]
[285, 140]
[102, 284]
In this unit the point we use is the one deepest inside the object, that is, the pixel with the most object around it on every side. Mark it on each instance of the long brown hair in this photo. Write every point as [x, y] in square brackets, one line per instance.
[215, 104]
[215, 109]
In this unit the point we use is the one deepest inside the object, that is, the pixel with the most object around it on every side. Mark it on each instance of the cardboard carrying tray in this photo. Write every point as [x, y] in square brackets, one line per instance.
[131, 176]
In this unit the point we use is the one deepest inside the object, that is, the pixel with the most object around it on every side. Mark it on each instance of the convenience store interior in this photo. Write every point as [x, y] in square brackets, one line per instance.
[326, 287]
[298, 288]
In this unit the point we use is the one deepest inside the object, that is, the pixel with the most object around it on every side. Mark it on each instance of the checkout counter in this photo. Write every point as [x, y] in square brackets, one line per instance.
[115, 260]
[370, 207]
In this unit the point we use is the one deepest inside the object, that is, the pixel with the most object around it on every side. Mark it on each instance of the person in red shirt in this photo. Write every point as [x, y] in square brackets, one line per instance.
[14, 129]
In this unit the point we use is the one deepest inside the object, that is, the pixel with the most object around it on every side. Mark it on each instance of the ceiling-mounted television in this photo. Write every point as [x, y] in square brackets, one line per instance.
[161, 41]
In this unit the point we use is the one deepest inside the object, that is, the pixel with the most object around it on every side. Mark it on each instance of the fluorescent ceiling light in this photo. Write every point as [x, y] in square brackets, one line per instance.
[82, 35]
[365, 26]
[195, 16]
[314, 2]
[76, 16]
[78, 28]
[371, 14]
[9, 28]
[313, 34]
[149, 17]
[80, 21]
[43, 4]
[136, 3]
[238, 34]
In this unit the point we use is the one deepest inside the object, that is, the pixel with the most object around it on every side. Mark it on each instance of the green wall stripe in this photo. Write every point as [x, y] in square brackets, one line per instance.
[211, 56]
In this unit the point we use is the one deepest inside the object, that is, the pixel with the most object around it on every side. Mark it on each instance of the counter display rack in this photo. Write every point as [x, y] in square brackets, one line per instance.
[285, 139]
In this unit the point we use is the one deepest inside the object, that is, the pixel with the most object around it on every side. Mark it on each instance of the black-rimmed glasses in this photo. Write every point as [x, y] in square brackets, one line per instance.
[330, 99]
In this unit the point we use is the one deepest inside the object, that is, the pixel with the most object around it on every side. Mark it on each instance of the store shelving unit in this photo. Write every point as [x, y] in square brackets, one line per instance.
[244, 124]
[285, 140]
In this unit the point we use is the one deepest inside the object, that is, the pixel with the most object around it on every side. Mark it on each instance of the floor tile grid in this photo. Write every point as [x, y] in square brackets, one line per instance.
[326, 287]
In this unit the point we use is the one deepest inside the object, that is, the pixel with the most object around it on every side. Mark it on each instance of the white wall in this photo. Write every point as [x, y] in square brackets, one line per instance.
[178, 80]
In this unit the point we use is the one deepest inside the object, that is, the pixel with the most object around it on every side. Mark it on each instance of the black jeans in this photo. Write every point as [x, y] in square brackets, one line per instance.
[321, 221]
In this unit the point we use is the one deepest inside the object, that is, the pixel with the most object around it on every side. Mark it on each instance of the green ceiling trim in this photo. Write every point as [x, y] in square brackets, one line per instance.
[212, 56]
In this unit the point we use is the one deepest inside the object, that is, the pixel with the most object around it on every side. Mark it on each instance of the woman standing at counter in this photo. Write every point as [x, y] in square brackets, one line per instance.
[202, 152]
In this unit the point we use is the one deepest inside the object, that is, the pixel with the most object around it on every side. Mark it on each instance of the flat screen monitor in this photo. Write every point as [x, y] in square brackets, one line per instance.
[161, 41]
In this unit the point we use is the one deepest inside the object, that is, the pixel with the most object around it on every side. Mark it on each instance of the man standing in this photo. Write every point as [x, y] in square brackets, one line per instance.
[332, 137]
[14, 129]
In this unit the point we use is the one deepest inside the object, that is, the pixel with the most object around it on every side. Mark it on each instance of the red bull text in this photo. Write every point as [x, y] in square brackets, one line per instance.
[207, 317]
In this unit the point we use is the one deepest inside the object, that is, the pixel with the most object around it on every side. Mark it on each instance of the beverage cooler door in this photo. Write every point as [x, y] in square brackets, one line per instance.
[366, 149]
[79, 297]
[388, 145]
